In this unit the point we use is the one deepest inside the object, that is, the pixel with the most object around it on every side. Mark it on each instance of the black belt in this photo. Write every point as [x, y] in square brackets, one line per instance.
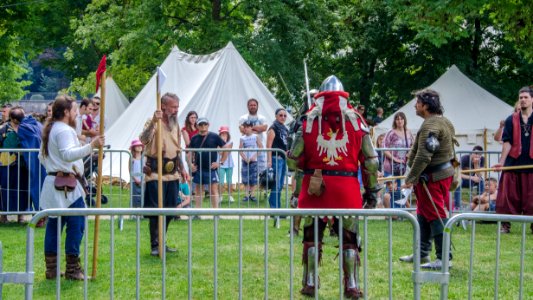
[436, 168]
[332, 173]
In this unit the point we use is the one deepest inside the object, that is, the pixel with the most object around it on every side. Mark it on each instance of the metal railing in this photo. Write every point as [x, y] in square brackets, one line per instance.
[217, 214]
[473, 217]
[16, 182]
[240, 195]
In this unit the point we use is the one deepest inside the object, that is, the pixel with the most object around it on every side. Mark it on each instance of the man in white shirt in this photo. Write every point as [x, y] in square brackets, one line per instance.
[259, 127]
[61, 154]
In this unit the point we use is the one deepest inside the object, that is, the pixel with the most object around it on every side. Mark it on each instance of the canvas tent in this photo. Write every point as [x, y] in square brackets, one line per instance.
[216, 86]
[470, 108]
[115, 103]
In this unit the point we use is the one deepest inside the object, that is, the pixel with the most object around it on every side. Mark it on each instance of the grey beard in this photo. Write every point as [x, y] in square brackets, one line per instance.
[173, 121]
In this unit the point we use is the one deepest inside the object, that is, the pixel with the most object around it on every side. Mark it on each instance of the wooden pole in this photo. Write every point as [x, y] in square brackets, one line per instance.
[390, 178]
[159, 170]
[99, 176]
[485, 150]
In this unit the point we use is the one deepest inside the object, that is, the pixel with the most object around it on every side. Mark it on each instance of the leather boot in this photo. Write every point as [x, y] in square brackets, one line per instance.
[74, 270]
[51, 265]
[350, 266]
[310, 251]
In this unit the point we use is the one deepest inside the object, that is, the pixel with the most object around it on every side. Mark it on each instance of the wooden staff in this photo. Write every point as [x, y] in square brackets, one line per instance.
[497, 169]
[159, 169]
[485, 132]
[390, 178]
[99, 176]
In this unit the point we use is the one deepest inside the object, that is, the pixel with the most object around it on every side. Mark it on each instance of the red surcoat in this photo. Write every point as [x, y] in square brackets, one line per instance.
[340, 191]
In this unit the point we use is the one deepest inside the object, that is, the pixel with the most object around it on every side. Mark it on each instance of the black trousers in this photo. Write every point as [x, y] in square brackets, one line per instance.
[428, 231]
[154, 230]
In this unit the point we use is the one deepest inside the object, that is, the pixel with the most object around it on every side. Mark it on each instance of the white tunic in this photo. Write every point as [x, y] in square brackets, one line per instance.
[65, 154]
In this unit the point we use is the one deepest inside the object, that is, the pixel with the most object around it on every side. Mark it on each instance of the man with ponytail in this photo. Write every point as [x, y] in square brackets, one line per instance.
[61, 154]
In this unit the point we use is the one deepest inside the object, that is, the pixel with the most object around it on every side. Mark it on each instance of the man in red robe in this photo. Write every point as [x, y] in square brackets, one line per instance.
[335, 143]
[515, 195]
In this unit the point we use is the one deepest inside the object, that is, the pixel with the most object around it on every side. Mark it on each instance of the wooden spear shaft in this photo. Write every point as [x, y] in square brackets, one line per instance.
[159, 170]
[469, 171]
[99, 176]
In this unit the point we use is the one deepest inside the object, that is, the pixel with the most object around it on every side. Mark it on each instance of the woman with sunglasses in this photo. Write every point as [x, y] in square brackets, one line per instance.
[277, 139]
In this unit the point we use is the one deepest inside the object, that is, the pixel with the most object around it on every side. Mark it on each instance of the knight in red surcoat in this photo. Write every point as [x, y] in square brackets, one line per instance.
[336, 144]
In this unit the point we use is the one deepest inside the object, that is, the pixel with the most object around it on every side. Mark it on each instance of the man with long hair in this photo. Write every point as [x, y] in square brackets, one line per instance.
[172, 164]
[61, 154]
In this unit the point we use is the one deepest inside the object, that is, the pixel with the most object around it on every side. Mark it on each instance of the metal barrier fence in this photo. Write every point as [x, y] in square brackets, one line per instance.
[473, 217]
[244, 263]
[16, 182]
[462, 200]
[243, 195]
[20, 182]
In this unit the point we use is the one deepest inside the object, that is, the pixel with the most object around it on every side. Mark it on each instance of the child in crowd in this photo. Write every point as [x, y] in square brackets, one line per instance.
[249, 159]
[185, 195]
[225, 171]
[136, 149]
[86, 119]
[487, 200]
[393, 193]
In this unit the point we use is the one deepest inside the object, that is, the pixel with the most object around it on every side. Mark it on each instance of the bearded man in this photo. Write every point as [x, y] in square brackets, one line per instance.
[172, 164]
[335, 142]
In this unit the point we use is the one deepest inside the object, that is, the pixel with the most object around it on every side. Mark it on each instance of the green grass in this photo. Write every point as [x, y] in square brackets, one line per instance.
[13, 238]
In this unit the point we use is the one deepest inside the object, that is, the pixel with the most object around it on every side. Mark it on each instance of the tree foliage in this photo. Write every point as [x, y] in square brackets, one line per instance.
[381, 50]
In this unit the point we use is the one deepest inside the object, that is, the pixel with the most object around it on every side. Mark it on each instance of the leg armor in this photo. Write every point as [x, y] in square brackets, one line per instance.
[350, 253]
[351, 264]
[310, 252]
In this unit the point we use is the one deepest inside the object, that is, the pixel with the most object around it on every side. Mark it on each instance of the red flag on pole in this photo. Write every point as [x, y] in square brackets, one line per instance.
[100, 71]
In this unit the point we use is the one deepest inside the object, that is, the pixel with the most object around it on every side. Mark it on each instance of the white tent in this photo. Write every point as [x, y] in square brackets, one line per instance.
[216, 86]
[470, 108]
[115, 103]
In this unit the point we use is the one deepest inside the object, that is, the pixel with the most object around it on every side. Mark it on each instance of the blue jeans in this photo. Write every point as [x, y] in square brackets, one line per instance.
[279, 166]
[75, 229]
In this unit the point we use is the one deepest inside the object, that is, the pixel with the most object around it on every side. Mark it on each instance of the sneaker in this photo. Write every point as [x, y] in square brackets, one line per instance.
[231, 200]
[245, 199]
[253, 199]
[154, 252]
[435, 265]
[409, 259]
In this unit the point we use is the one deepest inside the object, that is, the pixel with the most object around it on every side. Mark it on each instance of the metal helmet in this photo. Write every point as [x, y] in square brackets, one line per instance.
[332, 83]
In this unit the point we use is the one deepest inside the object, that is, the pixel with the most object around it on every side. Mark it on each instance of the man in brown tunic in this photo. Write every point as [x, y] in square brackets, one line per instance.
[172, 164]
